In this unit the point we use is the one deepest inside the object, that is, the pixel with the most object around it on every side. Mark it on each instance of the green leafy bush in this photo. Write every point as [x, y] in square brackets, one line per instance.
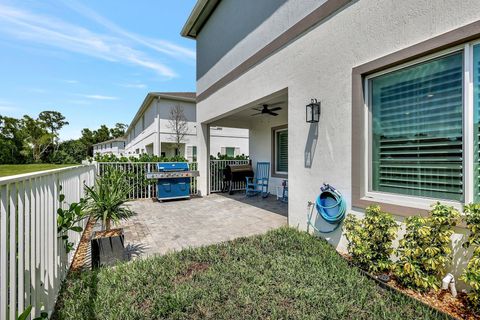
[68, 218]
[107, 198]
[142, 158]
[225, 157]
[426, 248]
[471, 275]
[370, 239]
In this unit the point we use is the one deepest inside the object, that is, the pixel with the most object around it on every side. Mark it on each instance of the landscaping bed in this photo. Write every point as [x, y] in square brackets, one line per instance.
[282, 274]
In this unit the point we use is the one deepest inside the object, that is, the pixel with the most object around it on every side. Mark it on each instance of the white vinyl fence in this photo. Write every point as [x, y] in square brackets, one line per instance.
[142, 188]
[33, 259]
[216, 174]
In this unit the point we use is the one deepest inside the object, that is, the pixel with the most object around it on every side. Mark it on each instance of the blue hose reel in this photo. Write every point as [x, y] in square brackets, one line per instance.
[330, 206]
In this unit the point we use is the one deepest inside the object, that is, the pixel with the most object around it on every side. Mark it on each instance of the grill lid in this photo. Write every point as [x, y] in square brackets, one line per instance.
[172, 166]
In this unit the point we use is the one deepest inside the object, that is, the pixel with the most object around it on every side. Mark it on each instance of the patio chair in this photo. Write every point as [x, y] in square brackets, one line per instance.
[259, 183]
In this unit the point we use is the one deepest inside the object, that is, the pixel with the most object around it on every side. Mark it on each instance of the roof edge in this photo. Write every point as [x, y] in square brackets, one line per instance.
[198, 17]
[148, 99]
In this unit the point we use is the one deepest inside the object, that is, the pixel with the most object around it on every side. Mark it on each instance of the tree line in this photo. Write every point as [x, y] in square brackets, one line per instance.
[36, 140]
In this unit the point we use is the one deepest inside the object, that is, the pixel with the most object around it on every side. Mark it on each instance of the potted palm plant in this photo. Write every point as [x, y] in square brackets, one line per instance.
[106, 202]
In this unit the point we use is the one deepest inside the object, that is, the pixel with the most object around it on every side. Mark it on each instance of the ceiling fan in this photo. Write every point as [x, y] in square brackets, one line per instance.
[265, 109]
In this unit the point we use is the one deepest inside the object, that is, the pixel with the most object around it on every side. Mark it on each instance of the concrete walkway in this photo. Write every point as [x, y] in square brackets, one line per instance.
[160, 227]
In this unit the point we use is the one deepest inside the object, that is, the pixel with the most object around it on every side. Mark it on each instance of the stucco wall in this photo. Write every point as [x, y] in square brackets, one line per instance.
[237, 29]
[319, 65]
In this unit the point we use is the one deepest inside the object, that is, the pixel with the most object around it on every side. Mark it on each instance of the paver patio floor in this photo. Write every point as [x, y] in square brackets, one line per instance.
[160, 227]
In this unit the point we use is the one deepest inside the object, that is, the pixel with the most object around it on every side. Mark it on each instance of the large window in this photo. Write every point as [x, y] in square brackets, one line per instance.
[280, 150]
[230, 151]
[424, 129]
[417, 129]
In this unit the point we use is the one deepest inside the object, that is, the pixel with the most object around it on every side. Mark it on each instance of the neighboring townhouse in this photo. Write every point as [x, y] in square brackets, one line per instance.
[397, 83]
[114, 146]
[151, 129]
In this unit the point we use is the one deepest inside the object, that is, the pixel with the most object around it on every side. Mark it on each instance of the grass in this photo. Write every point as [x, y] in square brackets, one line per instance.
[285, 274]
[13, 169]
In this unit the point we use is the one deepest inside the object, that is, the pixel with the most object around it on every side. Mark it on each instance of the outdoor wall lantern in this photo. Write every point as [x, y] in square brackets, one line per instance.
[313, 111]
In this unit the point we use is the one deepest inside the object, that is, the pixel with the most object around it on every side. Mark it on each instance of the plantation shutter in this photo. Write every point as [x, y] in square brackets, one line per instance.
[476, 103]
[237, 151]
[417, 129]
[190, 153]
[282, 151]
[223, 150]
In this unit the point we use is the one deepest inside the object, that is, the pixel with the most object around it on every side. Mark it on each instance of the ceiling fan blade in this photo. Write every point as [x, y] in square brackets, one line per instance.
[273, 113]
[275, 109]
[255, 114]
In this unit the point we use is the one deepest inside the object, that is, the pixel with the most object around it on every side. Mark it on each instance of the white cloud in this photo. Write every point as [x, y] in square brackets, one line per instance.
[158, 45]
[99, 97]
[54, 32]
[71, 81]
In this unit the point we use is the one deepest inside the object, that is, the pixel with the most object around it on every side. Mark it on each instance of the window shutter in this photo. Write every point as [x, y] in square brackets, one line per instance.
[417, 129]
[237, 151]
[282, 151]
[223, 150]
[476, 103]
[189, 154]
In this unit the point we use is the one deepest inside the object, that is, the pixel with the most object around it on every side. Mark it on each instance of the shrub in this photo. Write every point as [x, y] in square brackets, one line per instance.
[225, 157]
[370, 239]
[107, 198]
[471, 275]
[144, 157]
[67, 219]
[426, 248]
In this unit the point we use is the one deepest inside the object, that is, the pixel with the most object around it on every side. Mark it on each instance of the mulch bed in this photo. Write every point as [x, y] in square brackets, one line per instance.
[108, 233]
[81, 255]
[442, 300]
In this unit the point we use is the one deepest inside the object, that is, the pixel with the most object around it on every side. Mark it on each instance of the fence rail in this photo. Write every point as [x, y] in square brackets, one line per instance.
[143, 188]
[33, 259]
[216, 174]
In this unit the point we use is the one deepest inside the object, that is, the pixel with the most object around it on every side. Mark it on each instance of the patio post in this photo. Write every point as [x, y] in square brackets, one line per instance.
[203, 135]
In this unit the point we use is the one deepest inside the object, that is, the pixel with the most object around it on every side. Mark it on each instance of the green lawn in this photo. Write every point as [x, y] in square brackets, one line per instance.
[13, 169]
[284, 274]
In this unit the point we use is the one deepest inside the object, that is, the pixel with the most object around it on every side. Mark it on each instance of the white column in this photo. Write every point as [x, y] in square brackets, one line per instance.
[203, 155]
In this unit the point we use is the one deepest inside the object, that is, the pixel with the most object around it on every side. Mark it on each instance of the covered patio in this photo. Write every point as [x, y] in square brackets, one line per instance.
[158, 228]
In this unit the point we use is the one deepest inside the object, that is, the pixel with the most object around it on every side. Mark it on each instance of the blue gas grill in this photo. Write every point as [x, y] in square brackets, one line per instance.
[173, 180]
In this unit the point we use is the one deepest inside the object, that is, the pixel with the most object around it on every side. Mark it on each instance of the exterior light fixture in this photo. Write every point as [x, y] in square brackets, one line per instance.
[313, 111]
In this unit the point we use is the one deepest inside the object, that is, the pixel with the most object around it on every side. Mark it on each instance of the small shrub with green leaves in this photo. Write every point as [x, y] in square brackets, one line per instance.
[68, 218]
[106, 200]
[471, 275]
[426, 248]
[370, 239]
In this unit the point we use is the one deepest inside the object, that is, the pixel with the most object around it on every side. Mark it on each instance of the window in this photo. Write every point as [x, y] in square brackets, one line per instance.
[280, 151]
[194, 154]
[230, 151]
[417, 129]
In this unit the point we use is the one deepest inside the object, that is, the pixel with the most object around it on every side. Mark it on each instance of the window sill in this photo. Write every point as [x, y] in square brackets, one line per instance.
[402, 205]
[280, 175]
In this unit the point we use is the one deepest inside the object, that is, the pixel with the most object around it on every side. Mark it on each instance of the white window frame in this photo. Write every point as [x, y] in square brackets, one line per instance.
[275, 151]
[468, 135]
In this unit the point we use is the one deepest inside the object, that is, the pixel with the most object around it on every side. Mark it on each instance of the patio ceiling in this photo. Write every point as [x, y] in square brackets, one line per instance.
[243, 118]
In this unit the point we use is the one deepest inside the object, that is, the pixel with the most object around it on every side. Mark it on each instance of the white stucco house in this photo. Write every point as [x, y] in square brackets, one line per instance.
[151, 132]
[398, 85]
[114, 146]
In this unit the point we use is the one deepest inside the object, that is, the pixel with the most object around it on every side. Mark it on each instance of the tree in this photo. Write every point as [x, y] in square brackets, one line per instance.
[102, 134]
[12, 137]
[178, 124]
[37, 136]
[54, 121]
[119, 130]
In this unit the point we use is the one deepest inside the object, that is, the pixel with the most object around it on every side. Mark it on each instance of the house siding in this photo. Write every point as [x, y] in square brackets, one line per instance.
[319, 65]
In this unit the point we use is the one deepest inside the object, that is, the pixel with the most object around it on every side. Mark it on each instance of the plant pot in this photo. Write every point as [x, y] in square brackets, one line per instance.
[107, 248]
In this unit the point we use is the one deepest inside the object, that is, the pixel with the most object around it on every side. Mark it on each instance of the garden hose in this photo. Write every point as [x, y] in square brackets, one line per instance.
[330, 206]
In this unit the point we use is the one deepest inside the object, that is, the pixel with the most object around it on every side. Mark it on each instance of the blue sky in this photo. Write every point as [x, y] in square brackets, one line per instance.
[92, 60]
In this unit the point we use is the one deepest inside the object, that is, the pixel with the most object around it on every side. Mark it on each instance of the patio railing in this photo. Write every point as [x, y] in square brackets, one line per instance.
[142, 188]
[216, 174]
[33, 259]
